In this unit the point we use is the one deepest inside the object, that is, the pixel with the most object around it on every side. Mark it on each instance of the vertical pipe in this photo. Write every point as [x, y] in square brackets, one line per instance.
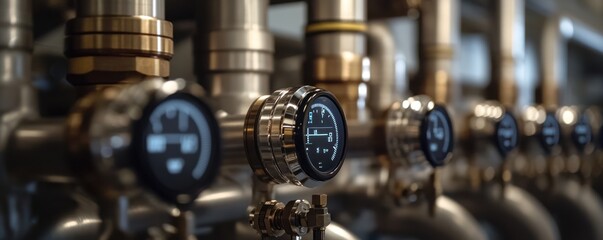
[384, 85]
[506, 48]
[553, 67]
[234, 52]
[16, 43]
[335, 51]
[437, 32]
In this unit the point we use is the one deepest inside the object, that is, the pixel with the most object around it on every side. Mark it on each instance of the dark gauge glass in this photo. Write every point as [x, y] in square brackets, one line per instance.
[178, 145]
[506, 133]
[436, 136]
[550, 132]
[582, 134]
[324, 135]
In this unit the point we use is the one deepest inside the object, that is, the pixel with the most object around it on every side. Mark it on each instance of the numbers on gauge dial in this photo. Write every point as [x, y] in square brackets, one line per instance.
[322, 134]
[178, 143]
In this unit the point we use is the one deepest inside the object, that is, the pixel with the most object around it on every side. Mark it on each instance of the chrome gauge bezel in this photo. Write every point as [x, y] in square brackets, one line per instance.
[405, 133]
[484, 123]
[273, 143]
[534, 120]
[568, 117]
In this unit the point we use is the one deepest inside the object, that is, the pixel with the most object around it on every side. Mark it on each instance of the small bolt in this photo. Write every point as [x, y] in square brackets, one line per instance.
[319, 200]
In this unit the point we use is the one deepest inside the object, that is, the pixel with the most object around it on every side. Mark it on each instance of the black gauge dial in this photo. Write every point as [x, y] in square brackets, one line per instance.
[323, 135]
[178, 142]
[436, 136]
[506, 134]
[582, 134]
[550, 133]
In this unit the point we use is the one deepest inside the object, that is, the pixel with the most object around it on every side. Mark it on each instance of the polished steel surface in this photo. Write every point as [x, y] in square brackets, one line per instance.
[336, 52]
[270, 137]
[553, 65]
[337, 10]
[16, 43]
[233, 52]
[148, 8]
[44, 135]
[116, 43]
[507, 49]
[576, 208]
[438, 35]
[516, 215]
[385, 84]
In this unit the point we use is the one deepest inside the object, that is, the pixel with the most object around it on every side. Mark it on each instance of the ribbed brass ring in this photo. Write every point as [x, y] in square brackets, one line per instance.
[337, 68]
[335, 26]
[116, 44]
[134, 25]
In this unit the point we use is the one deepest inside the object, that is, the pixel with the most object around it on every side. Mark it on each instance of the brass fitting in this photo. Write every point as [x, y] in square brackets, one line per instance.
[111, 49]
[296, 218]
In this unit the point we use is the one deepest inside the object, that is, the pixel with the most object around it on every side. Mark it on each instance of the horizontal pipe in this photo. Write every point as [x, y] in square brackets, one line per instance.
[516, 215]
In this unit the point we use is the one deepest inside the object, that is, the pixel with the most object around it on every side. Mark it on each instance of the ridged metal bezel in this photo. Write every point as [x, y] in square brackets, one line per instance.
[270, 142]
[404, 125]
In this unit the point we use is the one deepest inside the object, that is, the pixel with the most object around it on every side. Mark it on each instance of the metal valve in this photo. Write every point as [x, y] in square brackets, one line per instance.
[274, 219]
[419, 136]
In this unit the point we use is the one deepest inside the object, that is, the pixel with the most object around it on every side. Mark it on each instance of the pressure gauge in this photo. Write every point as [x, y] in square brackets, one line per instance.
[419, 133]
[506, 133]
[296, 135]
[582, 134]
[492, 122]
[543, 126]
[157, 135]
[576, 125]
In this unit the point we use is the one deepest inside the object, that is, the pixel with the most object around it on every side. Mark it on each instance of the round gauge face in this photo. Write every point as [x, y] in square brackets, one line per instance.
[582, 133]
[506, 134]
[178, 146]
[321, 135]
[550, 133]
[437, 136]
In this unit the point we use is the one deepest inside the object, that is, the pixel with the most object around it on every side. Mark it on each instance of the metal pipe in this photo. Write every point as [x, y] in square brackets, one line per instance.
[516, 215]
[451, 221]
[381, 49]
[437, 32]
[233, 52]
[335, 52]
[577, 208]
[115, 42]
[16, 44]
[506, 49]
[95, 8]
[229, 197]
[27, 143]
[553, 67]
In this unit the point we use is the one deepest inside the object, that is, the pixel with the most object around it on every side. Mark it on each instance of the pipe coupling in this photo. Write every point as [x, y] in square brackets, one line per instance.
[130, 45]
